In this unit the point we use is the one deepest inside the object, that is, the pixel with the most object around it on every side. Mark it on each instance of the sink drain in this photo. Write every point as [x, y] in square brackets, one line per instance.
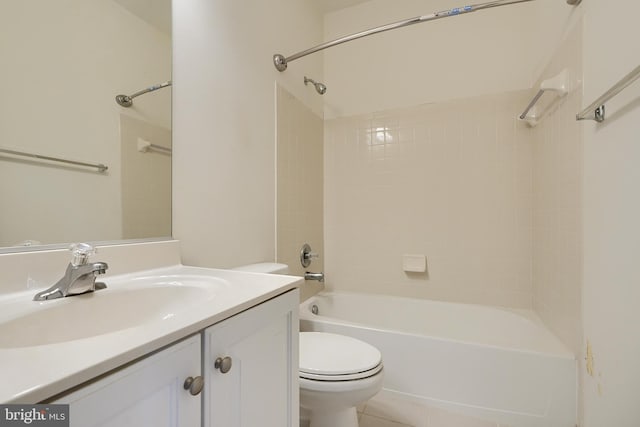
[314, 309]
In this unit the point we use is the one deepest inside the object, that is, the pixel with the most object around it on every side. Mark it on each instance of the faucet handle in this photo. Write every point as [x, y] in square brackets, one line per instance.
[306, 256]
[81, 253]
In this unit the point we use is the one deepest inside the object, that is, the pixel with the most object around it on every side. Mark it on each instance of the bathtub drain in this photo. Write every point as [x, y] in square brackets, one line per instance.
[314, 309]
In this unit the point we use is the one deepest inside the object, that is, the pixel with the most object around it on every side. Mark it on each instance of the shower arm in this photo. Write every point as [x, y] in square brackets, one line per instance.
[281, 62]
[127, 100]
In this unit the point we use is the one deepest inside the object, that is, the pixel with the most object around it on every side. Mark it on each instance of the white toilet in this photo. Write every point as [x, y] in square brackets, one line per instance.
[337, 373]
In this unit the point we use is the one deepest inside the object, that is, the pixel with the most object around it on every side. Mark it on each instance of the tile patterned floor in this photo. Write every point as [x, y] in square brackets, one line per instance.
[390, 411]
[386, 411]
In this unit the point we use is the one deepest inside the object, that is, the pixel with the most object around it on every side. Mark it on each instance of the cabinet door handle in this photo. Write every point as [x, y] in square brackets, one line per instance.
[194, 385]
[224, 364]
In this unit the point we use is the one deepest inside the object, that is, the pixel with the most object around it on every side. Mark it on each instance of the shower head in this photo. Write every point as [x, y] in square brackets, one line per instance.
[320, 88]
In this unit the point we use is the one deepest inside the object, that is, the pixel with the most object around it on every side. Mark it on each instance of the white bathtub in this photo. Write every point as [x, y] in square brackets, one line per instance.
[488, 362]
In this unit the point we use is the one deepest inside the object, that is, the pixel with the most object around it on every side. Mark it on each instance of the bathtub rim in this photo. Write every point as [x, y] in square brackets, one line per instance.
[305, 314]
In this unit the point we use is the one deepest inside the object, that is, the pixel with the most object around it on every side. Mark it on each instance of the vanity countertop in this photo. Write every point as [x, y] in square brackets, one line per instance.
[33, 373]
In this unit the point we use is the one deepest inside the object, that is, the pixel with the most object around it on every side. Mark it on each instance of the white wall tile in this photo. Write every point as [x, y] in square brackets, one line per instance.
[557, 206]
[451, 181]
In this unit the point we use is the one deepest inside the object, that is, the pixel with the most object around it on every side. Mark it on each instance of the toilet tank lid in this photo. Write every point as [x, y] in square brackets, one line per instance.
[265, 267]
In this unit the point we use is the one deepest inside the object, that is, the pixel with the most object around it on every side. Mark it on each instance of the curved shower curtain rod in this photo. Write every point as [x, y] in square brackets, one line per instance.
[281, 62]
[127, 100]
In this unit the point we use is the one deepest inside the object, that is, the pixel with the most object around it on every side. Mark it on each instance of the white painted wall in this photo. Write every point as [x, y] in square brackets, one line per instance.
[610, 235]
[224, 121]
[611, 289]
[300, 197]
[552, 21]
[63, 63]
[476, 54]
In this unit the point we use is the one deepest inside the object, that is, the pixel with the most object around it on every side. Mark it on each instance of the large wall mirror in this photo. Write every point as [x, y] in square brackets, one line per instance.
[63, 64]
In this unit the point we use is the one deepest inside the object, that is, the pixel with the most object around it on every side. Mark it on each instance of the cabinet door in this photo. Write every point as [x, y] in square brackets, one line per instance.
[147, 393]
[261, 387]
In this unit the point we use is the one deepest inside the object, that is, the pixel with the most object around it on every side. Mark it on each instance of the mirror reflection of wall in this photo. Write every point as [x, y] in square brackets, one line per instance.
[63, 63]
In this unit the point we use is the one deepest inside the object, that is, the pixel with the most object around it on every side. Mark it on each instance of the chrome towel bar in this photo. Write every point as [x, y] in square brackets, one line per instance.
[99, 166]
[596, 110]
[532, 103]
[145, 146]
[558, 84]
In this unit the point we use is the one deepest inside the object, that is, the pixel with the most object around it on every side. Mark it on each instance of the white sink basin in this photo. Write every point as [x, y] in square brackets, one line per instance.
[124, 304]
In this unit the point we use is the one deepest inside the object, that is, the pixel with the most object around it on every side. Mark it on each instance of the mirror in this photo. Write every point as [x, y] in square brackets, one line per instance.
[63, 64]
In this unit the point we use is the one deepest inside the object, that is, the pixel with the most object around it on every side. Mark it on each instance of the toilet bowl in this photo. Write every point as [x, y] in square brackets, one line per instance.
[336, 373]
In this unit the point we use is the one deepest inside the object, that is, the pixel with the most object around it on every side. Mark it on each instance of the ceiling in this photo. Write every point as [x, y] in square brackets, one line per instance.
[327, 6]
[156, 13]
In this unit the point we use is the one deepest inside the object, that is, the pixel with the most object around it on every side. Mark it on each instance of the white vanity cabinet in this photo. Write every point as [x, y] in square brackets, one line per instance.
[254, 384]
[251, 367]
[147, 393]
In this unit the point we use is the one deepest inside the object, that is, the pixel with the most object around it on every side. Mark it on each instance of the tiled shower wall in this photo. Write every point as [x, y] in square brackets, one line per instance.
[557, 207]
[299, 186]
[451, 181]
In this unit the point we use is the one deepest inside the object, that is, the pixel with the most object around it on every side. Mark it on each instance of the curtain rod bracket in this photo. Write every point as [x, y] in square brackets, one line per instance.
[127, 100]
[596, 110]
[280, 62]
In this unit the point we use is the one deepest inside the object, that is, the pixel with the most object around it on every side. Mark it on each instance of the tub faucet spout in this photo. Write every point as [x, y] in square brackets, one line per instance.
[314, 276]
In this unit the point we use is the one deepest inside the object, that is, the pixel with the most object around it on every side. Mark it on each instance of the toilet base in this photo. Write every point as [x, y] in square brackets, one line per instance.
[347, 417]
[333, 403]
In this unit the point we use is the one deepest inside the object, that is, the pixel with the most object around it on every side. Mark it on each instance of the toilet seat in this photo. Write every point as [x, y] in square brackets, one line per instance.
[330, 357]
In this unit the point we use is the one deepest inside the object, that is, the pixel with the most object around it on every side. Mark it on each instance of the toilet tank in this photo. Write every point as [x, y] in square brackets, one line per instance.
[265, 267]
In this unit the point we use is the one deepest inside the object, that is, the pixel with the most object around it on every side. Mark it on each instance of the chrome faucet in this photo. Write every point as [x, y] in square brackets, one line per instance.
[314, 276]
[80, 276]
[306, 256]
